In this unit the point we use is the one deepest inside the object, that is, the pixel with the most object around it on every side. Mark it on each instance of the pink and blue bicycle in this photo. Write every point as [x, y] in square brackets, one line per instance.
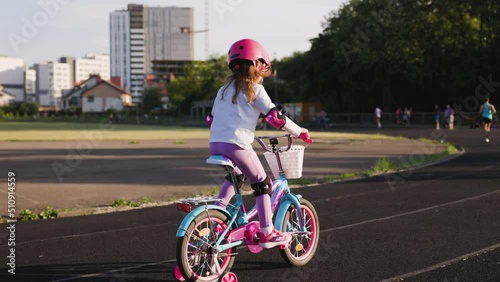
[212, 231]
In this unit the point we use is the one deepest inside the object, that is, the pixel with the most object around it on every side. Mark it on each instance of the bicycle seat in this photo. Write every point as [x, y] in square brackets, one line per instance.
[220, 160]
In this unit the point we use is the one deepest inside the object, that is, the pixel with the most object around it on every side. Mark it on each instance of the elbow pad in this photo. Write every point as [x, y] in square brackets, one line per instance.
[276, 118]
[210, 119]
[280, 121]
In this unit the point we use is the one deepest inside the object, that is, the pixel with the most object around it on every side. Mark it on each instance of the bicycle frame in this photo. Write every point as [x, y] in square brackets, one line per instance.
[239, 219]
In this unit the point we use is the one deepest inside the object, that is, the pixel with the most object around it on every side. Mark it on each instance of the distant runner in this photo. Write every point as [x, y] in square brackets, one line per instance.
[487, 111]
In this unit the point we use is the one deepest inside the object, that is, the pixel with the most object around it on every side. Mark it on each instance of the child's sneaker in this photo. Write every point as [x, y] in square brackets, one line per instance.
[218, 230]
[275, 238]
[487, 140]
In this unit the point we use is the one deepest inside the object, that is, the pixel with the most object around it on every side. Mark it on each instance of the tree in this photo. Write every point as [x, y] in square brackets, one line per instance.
[30, 109]
[151, 99]
[397, 53]
[201, 81]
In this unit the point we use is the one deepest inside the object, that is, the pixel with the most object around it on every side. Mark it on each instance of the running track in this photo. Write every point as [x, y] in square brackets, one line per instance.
[436, 223]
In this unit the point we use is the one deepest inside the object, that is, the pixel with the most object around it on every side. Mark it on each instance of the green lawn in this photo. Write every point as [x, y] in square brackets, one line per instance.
[63, 131]
[60, 131]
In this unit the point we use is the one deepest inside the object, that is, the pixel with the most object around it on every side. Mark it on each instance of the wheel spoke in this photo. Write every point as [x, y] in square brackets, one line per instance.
[200, 254]
[303, 222]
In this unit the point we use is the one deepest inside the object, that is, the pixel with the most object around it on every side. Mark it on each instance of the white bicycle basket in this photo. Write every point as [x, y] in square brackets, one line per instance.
[291, 161]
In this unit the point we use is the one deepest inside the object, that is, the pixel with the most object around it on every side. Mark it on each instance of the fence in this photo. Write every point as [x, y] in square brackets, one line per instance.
[416, 118]
[332, 120]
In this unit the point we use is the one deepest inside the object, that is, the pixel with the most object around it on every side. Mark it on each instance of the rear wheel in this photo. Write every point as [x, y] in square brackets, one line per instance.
[196, 254]
[304, 244]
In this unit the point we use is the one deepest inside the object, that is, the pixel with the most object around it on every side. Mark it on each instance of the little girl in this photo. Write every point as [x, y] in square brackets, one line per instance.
[233, 121]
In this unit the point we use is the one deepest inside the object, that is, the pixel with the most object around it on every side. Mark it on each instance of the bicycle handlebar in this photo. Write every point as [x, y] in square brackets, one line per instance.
[272, 148]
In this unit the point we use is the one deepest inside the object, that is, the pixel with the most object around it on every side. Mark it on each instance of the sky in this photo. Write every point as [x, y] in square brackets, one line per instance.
[38, 30]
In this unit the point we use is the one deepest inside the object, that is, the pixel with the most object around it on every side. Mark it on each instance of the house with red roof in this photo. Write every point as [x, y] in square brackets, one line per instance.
[97, 95]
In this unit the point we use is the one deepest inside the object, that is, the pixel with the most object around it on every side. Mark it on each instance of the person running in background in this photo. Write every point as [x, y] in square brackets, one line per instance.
[437, 115]
[450, 117]
[407, 116]
[378, 116]
[487, 111]
[398, 115]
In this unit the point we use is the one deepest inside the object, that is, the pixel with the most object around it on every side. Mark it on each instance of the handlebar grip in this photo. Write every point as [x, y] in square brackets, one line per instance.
[306, 137]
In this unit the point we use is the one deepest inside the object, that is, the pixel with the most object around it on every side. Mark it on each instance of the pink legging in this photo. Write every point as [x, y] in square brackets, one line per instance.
[247, 163]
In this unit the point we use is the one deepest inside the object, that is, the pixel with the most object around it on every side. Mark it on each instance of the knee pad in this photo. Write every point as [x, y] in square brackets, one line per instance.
[239, 179]
[262, 188]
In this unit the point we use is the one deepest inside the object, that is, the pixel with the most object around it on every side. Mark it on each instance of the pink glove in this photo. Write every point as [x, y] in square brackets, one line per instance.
[209, 120]
[305, 136]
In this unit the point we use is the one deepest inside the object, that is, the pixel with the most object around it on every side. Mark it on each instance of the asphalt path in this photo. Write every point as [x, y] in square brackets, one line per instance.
[435, 223]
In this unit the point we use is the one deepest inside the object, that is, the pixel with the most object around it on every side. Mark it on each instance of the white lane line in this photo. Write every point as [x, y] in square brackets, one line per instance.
[322, 231]
[334, 198]
[441, 264]
[425, 183]
[410, 212]
[122, 270]
[89, 234]
[21, 196]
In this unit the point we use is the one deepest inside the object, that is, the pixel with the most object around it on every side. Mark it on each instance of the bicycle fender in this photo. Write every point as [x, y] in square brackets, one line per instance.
[181, 231]
[283, 208]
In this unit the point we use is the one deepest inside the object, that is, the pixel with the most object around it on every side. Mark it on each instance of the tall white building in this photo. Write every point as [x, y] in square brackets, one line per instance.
[142, 34]
[12, 76]
[42, 84]
[137, 61]
[119, 30]
[51, 79]
[137, 56]
[92, 64]
[60, 79]
[30, 85]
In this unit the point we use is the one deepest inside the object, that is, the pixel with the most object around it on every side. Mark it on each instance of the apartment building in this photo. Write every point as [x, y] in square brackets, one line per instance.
[51, 79]
[30, 85]
[60, 79]
[42, 84]
[167, 34]
[12, 76]
[92, 64]
[141, 34]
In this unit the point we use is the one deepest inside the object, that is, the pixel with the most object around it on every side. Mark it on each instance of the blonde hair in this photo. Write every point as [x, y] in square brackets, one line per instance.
[245, 76]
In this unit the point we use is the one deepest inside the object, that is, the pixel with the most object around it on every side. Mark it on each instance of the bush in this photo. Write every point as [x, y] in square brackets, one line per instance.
[27, 215]
[48, 213]
[29, 109]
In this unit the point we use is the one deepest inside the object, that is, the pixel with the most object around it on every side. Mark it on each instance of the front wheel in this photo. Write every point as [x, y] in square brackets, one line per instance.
[304, 244]
[196, 252]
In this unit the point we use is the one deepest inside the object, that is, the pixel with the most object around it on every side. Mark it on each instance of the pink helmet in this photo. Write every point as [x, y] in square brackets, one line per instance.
[247, 49]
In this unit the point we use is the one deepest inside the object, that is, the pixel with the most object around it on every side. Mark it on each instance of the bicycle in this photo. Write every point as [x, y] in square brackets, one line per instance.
[209, 234]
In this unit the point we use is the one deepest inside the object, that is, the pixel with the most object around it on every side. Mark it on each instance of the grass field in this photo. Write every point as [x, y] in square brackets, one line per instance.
[65, 131]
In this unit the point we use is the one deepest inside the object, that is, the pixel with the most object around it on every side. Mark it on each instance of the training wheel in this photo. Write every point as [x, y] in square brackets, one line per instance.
[228, 277]
[176, 273]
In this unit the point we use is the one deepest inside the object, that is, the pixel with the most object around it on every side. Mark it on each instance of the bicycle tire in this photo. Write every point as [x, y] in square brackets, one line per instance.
[302, 247]
[194, 248]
